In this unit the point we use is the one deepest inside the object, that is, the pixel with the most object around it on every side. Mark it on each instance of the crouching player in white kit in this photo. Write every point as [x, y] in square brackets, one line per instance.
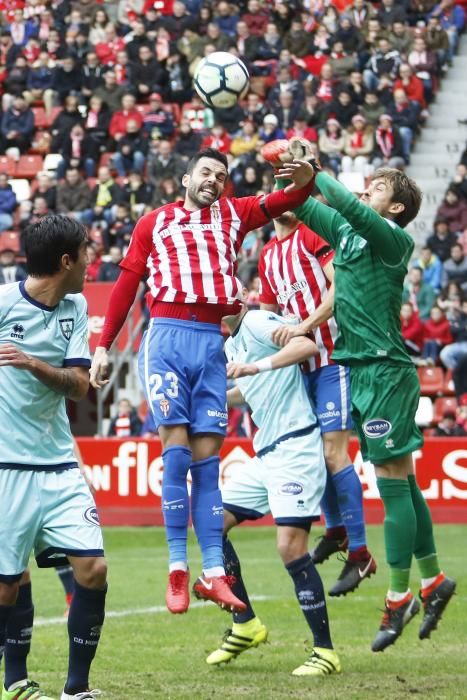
[46, 504]
[287, 478]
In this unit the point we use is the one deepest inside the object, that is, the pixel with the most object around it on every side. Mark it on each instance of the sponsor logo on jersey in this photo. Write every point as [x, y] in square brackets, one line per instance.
[217, 414]
[291, 488]
[17, 331]
[91, 516]
[334, 413]
[66, 326]
[377, 428]
[164, 406]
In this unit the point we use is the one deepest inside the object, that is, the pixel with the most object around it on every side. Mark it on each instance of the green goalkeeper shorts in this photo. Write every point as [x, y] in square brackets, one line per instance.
[384, 402]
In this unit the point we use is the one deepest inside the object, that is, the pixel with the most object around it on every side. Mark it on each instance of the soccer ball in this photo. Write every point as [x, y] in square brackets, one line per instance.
[221, 79]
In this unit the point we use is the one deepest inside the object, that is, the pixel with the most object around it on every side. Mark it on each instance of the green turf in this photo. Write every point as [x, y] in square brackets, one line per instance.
[157, 655]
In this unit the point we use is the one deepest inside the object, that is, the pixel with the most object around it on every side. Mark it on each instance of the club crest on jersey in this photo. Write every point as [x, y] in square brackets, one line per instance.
[66, 326]
[165, 407]
[377, 428]
[91, 516]
[17, 331]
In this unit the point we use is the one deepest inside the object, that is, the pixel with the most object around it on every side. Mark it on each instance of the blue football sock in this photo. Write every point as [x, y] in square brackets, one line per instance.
[232, 568]
[330, 505]
[350, 497]
[175, 503]
[18, 637]
[207, 511]
[65, 574]
[85, 620]
[5, 612]
[310, 596]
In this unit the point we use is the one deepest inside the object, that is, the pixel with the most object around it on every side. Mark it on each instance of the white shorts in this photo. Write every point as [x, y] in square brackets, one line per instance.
[50, 512]
[288, 482]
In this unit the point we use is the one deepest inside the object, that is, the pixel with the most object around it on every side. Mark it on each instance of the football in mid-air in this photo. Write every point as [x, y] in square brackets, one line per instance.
[221, 79]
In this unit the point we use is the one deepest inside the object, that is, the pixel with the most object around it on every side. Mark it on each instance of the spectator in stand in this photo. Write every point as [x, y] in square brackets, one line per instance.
[8, 203]
[20, 29]
[448, 427]
[10, 269]
[405, 115]
[16, 81]
[65, 121]
[412, 86]
[246, 141]
[432, 268]
[126, 422]
[372, 109]
[459, 182]
[270, 131]
[107, 50]
[359, 144]
[17, 126]
[254, 110]
[455, 268]
[383, 64]
[111, 93]
[132, 150]
[105, 196]
[256, 18]
[420, 295]
[178, 86]
[452, 353]
[165, 163]
[147, 73]
[437, 40]
[450, 299]
[45, 187]
[246, 43]
[137, 194]
[96, 124]
[217, 138]
[401, 38]
[119, 232]
[78, 150]
[67, 79]
[423, 62]
[454, 211]
[442, 240]
[40, 81]
[412, 330]
[300, 129]
[341, 61]
[296, 39]
[110, 269]
[74, 197]
[341, 107]
[179, 20]
[356, 87]
[188, 142]
[391, 12]
[285, 84]
[437, 334]
[331, 144]
[250, 183]
[268, 49]
[388, 145]
[92, 74]
[287, 111]
[452, 19]
[94, 262]
[226, 18]
[167, 192]
[97, 26]
[158, 120]
[120, 119]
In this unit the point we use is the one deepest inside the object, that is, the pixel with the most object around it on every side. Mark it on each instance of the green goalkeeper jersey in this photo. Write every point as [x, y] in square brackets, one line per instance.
[370, 261]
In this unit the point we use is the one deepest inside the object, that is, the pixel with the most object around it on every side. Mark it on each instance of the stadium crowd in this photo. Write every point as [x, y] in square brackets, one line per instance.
[99, 120]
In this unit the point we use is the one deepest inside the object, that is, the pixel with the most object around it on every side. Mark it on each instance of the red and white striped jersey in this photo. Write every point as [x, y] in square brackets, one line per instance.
[291, 273]
[191, 255]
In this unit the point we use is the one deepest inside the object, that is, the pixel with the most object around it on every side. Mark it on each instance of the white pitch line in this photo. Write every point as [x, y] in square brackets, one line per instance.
[154, 610]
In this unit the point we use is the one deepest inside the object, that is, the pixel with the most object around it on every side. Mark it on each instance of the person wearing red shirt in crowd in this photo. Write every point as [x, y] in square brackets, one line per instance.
[187, 250]
[412, 329]
[437, 334]
[94, 262]
[218, 138]
[412, 86]
[119, 122]
[255, 18]
[107, 50]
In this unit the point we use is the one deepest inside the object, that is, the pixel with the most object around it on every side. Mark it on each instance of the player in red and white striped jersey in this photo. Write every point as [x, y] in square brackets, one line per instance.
[187, 250]
[296, 273]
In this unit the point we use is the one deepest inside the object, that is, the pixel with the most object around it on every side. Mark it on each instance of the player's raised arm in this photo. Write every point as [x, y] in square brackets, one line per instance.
[298, 350]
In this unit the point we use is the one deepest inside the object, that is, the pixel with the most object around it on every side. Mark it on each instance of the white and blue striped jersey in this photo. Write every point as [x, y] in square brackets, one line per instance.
[34, 426]
[278, 399]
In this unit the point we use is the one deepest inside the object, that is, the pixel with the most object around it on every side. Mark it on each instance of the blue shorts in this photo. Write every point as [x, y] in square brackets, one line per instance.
[329, 390]
[50, 512]
[182, 370]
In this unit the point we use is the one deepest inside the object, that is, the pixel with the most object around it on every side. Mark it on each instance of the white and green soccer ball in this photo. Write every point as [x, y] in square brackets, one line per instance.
[221, 79]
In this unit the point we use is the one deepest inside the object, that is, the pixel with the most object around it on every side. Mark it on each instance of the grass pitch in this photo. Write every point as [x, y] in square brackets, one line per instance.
[145, 652]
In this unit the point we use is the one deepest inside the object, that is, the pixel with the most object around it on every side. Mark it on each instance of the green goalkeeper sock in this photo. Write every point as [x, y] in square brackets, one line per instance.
[424, 549]
[400, 527]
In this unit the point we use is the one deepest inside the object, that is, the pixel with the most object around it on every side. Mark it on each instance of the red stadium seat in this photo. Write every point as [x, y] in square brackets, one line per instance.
[10, 240]
[40, 118]
[106, 159]
[442, 404]
[175, 110]
[431, 380]
[448, 387]
[55, 112]
[7, 165]
[28, 166]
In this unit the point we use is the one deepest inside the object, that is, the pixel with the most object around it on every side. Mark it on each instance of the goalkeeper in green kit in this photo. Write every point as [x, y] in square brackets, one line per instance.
[372, 253]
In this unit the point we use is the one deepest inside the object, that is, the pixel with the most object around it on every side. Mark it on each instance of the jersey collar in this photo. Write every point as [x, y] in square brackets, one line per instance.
[32, 301]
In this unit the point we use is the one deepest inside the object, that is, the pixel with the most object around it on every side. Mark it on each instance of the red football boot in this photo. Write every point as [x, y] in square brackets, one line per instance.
[218, 589]
[177, 596]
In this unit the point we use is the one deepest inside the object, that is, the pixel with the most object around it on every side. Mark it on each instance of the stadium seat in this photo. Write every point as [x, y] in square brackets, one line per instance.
[7, 165]
[51, 161]
[28, 166]
[354, 182]
[10, 240]
[442, 404]
[55, 112]
[106, 159]
[40, 118]
[424, 414]
[448, 386]
[431, 380]
[21, 188]
[175, 110]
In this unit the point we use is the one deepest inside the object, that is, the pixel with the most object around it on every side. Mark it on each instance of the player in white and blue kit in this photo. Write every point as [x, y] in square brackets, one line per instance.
[46, 504]
[287, 478]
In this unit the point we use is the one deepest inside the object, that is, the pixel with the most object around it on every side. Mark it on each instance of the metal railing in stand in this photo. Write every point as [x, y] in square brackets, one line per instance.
[117, 359]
